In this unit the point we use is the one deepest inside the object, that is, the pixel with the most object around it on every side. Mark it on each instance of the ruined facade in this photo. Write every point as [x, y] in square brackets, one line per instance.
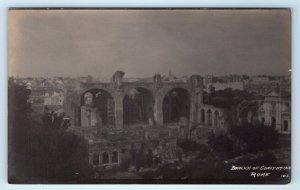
[275, 111]
[117, 116]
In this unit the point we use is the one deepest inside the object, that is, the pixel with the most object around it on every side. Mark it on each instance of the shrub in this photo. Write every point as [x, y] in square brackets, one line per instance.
[189, 145]
[256, 137]
[224, 144]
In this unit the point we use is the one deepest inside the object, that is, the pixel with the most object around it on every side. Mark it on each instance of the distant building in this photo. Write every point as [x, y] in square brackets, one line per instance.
[51, 97]
[208, 79]
[172, 78]
[232, 85]
[262, 85]
[231, 78]
[260, 79]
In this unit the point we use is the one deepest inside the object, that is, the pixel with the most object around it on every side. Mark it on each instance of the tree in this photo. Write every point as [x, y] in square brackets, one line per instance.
[256, 137]
[224, 144]
[18, 127]
[55, 120]
[39, 153]
[236, 102]
[220, 142]
[227, 98]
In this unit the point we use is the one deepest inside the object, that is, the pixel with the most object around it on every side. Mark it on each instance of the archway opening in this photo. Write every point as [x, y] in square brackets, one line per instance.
[105, 158]
[216, 118]
[176, 105]
[202, 116]
[97, 108]
[96, 159]
[115, 157]
[138, 106]
[209, 118]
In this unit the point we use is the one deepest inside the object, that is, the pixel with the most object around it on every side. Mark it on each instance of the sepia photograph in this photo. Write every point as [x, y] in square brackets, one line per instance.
[149, 96]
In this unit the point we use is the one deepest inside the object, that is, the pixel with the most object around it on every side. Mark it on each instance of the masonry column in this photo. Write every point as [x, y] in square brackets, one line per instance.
[196, 82]
[158, 109]
[119, 110]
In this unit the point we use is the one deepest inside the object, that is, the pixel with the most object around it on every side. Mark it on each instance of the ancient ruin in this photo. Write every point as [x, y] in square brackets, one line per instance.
[122, 115]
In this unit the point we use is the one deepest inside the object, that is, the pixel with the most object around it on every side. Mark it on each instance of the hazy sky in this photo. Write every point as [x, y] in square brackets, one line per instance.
[143, 42]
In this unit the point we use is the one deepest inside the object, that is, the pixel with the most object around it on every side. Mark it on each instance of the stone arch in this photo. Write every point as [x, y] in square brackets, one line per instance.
[209, 117]
[92, 88]
[216, 118]
[146, 87]
[97, 108]
[169, 87]
[176, 105]
[138, 106]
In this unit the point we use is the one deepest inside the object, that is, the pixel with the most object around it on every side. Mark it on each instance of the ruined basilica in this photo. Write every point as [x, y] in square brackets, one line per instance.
[120, 116]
